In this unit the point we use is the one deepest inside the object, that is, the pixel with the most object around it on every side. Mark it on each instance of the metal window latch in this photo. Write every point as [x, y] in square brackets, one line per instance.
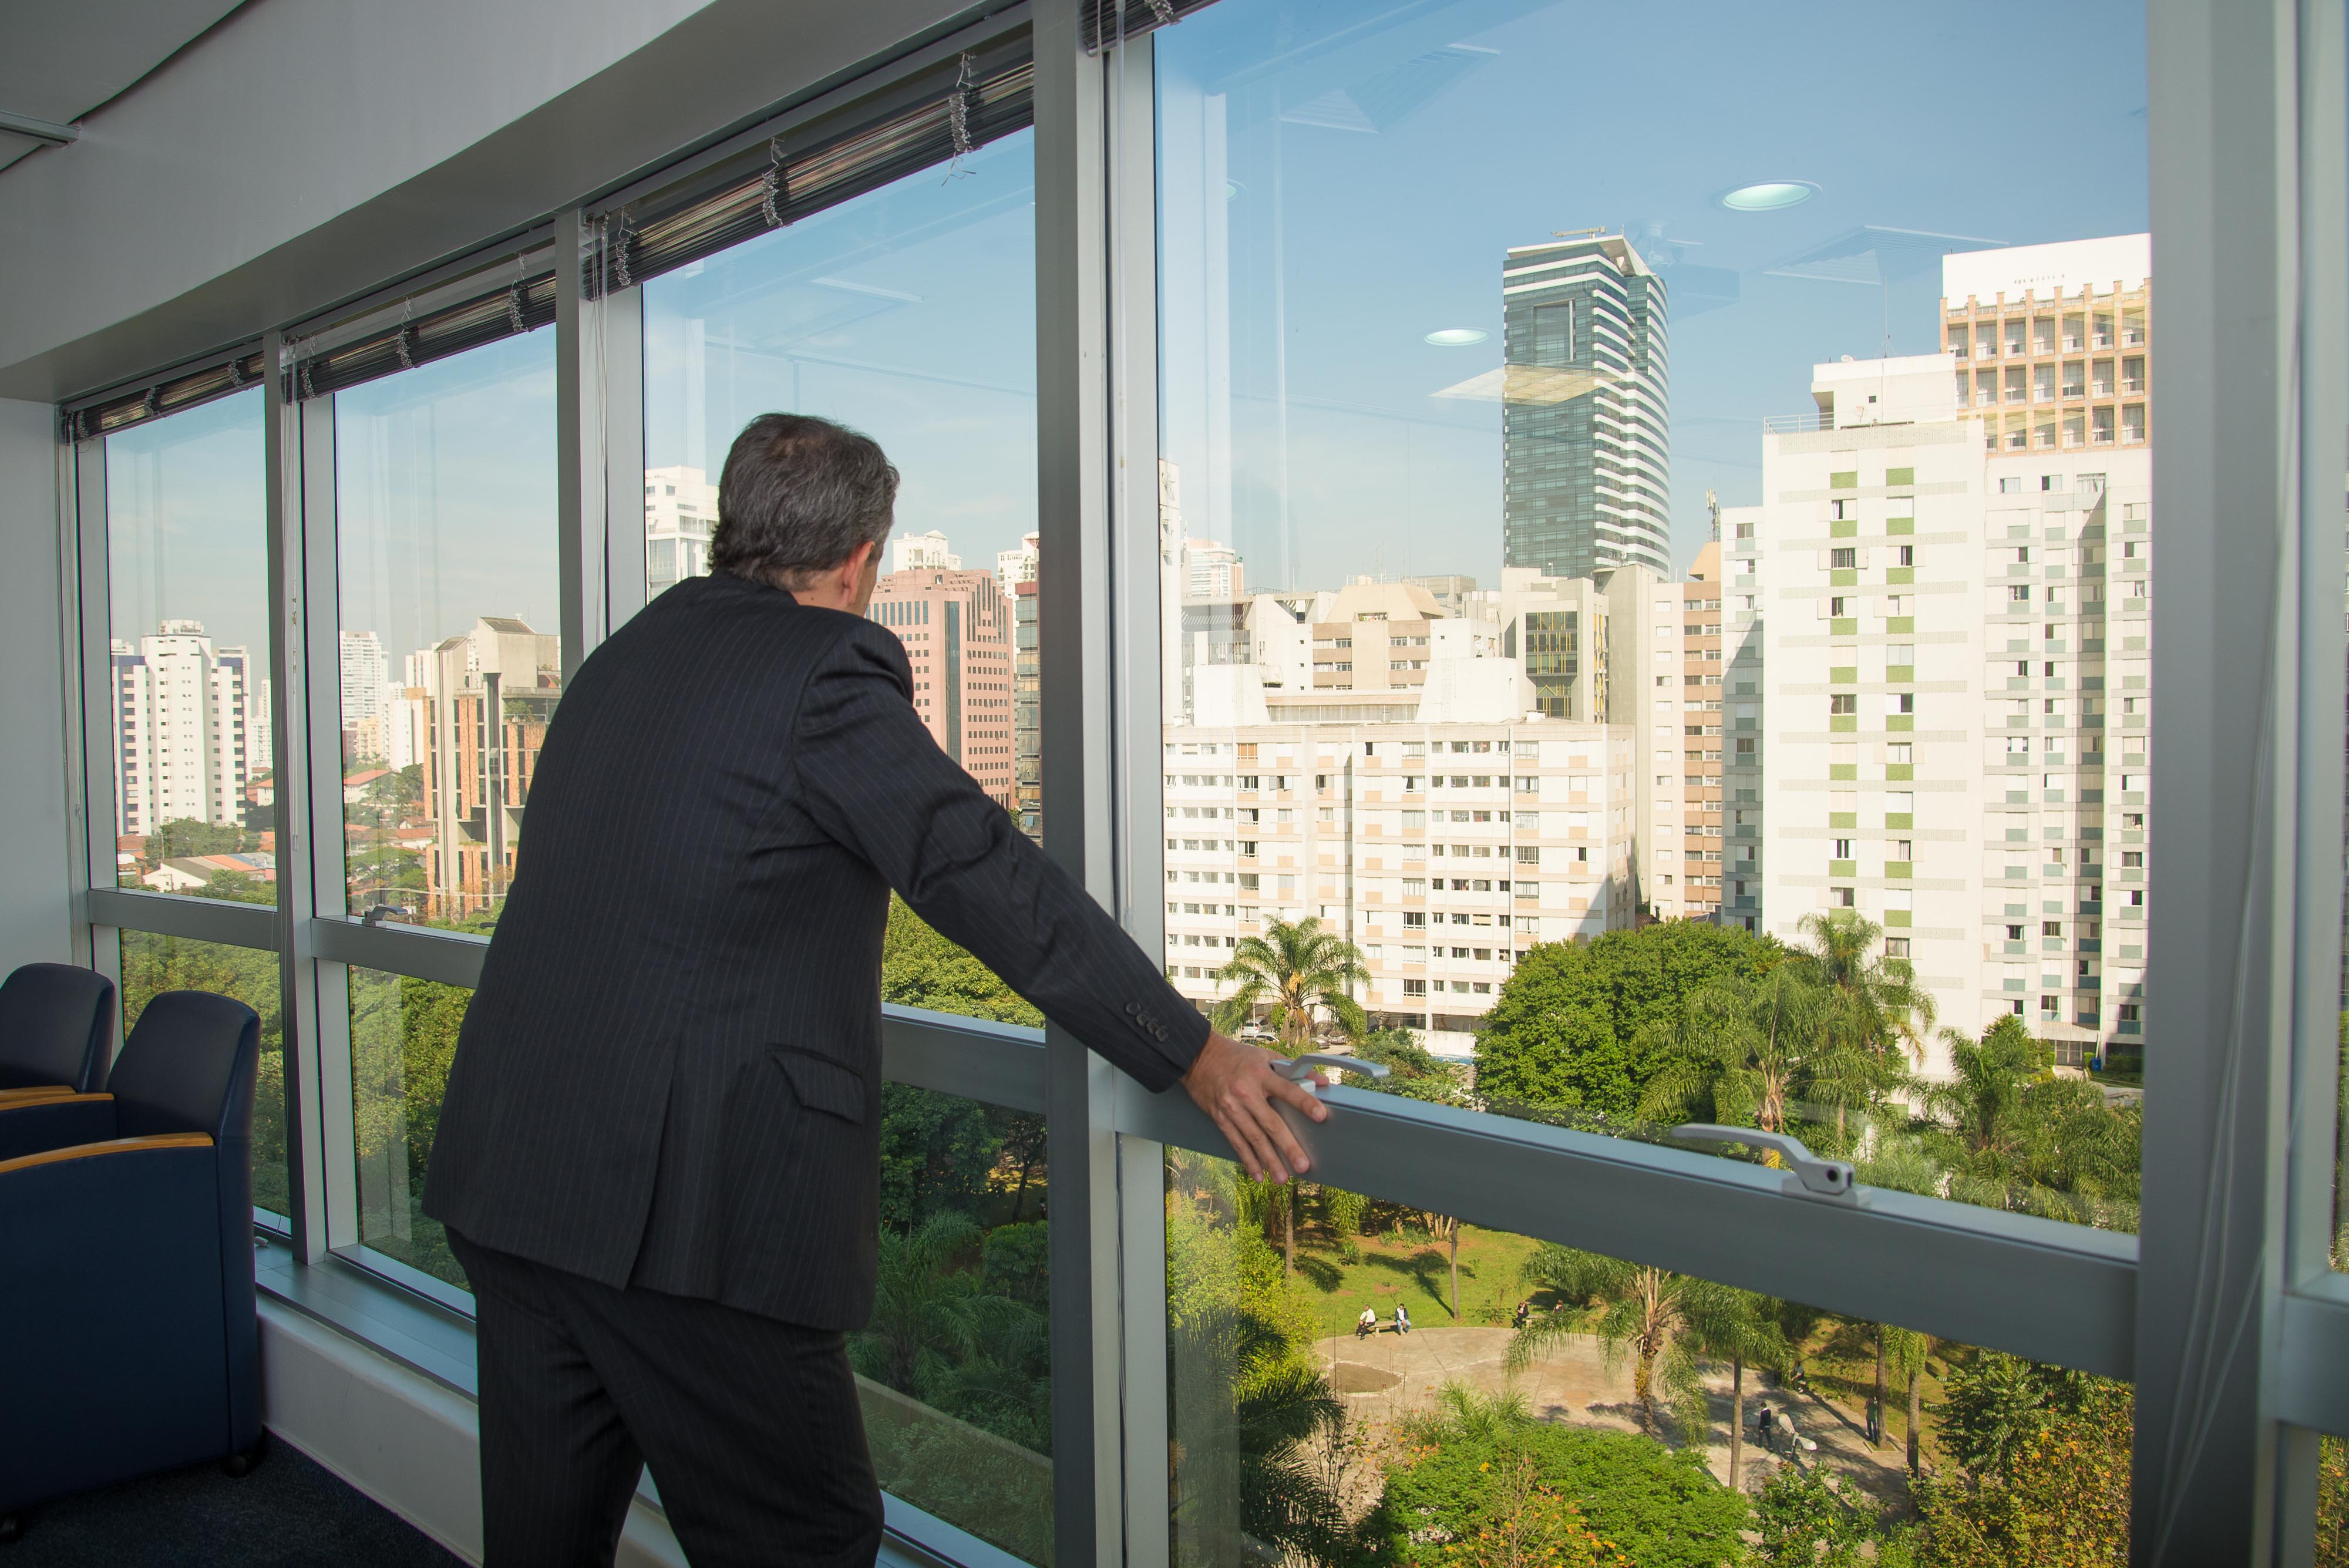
[375, 914]
[1810, 1177]
[1300, 1069]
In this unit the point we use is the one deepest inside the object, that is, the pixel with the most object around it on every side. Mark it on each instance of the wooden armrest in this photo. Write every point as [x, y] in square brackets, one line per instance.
[111, 1145]
[17, 1099]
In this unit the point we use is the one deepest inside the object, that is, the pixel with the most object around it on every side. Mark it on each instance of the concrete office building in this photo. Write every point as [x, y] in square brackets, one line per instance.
[680, 515]
[1665, 679]
[956, 628]
[1943, 675]
[2051, 342]
[922, 553]
[1443, 850]
[1744, 809]
[1027, 711]
[483, 701]
[181, 738]
[1585, 409]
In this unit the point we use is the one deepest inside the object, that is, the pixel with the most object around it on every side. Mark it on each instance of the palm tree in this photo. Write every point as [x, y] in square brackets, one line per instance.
[1739, 1327]
[1987, 1081]
[1877, 1003]
[1740, 1048]
[1654, 1312]
[1908, 1350]
[1291, 970]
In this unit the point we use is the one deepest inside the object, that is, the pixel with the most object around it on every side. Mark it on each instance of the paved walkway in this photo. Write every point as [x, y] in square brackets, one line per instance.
[1390, 1375]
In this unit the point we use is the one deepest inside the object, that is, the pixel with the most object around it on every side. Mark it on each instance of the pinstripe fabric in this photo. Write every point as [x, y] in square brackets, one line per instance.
[670, 1073]
[751, 1426]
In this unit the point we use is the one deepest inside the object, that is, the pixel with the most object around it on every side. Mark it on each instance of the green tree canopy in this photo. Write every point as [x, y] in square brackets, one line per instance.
[1658, 1508]
[1566, 1029]
[188, 836]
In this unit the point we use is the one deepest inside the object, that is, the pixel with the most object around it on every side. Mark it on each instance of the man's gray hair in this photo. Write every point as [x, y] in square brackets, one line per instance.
[798, 496]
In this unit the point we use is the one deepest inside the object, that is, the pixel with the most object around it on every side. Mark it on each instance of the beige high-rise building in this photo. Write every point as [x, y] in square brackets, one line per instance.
[1443, 850]
[957, 627]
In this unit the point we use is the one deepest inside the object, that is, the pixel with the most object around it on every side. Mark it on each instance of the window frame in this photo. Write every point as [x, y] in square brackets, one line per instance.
[2117, 1306]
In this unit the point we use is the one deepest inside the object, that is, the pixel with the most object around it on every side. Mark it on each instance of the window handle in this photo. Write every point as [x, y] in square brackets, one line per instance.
[1300, 1069]
[1811, 1177]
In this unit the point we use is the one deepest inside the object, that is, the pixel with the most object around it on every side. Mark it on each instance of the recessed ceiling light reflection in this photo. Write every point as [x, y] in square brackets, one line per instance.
[1457, 336]
[1767, 195]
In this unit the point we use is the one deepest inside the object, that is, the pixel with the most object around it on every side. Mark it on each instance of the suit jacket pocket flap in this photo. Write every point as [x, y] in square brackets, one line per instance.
[822, 1084]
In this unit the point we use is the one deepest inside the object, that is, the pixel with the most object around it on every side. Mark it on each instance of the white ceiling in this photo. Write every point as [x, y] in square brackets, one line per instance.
[58, 62]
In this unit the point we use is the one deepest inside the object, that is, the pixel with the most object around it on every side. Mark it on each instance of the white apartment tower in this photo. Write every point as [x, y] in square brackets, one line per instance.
[1013, 567]
[680, 515]
[181, 737]
[1955, 649]
[922, 553]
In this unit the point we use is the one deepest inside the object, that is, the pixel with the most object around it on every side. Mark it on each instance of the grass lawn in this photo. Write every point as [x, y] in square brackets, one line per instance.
[1405, 1266]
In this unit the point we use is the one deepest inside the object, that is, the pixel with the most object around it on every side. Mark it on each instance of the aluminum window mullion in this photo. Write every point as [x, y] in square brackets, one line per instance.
[579, 445]
[1076, 716]
[90, 571]
[2324, 691]
[2222, 134]
[285, 427]
[618, 323]
[1130, 221]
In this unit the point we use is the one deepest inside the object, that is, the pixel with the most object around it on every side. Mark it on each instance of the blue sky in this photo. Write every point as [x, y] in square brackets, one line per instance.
[1381, 155]
[187, 532]
[1388, 154]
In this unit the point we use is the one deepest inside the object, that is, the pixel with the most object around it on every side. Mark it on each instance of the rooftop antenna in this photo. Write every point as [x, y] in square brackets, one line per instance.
[1576, 234]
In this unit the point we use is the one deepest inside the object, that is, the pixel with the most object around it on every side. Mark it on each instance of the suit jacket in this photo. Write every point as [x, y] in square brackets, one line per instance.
[670, 1076]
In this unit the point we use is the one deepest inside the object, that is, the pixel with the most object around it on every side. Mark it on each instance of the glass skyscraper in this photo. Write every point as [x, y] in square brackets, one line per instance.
[1585, 456]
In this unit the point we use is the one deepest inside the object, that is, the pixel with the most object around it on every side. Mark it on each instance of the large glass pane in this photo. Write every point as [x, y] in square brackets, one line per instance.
[451, 662]
[187, 690]
[403, 1039]
[955, 1365]
[1548, 1405]
[152, 964]
[1684, 569]
[908, 313]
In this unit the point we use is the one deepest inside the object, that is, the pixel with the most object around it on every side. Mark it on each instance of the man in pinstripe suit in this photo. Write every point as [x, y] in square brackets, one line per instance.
[658, 1158]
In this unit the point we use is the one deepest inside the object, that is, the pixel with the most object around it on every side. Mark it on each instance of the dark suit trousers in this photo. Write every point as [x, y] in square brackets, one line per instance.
[751, 1426]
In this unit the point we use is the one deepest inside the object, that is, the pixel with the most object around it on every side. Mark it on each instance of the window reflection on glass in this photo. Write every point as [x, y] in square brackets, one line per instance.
[1356, 1381]
[152, 964]
[908, 313]
[403, 1039]
[1619, 603]
[187, 684]
[450, 665]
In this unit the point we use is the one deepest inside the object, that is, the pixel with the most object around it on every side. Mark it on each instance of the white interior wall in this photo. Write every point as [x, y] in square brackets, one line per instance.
[35, 920]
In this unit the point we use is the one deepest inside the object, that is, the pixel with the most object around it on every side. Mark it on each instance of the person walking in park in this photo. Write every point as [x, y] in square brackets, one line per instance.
[658, 1159]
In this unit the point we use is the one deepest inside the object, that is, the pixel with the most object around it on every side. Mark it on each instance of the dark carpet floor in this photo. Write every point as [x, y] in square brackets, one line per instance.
[288, 1513]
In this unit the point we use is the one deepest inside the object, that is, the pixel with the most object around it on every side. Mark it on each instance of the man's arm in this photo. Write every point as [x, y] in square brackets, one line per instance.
[871, 778]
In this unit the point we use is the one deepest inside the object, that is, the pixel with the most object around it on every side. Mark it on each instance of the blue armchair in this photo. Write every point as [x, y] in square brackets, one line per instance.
[128, 1233]
[56, 1024]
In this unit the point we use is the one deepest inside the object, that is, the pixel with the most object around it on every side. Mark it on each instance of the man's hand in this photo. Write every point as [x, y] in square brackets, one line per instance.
[1235, 1085]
